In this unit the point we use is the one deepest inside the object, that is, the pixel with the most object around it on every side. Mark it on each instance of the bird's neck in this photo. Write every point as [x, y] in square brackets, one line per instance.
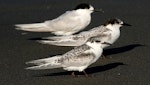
[95, 48]
[83, 12]
[94, 45]
[113, 27]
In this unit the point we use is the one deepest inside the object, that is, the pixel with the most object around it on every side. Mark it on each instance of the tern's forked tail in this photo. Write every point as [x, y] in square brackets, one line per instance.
[47, 63]
[35, 27]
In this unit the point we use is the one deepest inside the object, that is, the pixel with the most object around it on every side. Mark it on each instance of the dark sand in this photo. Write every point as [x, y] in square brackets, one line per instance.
[129, 62]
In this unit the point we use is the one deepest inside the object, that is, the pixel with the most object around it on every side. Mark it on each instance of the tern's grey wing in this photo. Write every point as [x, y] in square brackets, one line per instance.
[78, 56]
[82, 37]
[78, 39]
[76, 51]
[83, 59]
[85, 35]
[93, 32]
[66, 21]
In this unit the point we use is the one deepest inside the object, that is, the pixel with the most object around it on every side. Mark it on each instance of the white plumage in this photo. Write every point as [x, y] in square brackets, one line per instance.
[66, 24]
[78, 59]
[108, 32]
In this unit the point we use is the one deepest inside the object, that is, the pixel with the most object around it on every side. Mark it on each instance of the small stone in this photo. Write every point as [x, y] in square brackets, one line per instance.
[118, 74]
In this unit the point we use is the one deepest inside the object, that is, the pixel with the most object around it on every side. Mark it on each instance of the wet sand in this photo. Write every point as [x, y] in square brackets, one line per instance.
[128, 59]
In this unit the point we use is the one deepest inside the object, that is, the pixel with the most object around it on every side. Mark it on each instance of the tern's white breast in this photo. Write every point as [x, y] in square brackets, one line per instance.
[96, 48]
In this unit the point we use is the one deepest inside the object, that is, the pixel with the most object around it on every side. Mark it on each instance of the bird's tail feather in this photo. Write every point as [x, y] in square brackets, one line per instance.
[60, 43]
[56, 38]
[35, 27]
[47, 63]
[63, 40]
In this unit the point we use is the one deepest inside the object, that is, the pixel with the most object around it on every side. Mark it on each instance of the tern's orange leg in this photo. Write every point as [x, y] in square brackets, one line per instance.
[73, 74]
[104, 57]
[85, 74]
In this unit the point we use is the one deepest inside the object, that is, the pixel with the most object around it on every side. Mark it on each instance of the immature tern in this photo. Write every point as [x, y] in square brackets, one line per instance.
[108, 32]
[78, 59]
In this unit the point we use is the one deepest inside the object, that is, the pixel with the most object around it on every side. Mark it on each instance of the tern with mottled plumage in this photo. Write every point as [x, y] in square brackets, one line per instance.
[78, 59]
[108, 32]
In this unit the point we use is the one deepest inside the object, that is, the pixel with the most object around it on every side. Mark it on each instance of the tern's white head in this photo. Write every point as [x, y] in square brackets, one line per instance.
[115, 24]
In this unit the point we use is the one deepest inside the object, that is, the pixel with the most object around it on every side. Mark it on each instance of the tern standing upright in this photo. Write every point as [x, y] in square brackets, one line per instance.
[66, 24]
[78, 59]
[108, 32]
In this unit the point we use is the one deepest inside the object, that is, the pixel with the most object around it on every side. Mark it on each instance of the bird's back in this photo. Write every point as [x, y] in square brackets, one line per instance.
[68, 23]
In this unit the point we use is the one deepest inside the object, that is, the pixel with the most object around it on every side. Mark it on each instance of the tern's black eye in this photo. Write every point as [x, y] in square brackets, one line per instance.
[117, 22]
[97, 41]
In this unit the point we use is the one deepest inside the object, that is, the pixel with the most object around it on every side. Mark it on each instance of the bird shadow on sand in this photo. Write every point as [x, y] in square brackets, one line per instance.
[91, 70]
[121, 49]
[97, 69]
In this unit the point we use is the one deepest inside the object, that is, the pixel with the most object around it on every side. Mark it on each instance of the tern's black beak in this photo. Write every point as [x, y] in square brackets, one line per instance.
[106, 43]
[98, 10]
[125, 24]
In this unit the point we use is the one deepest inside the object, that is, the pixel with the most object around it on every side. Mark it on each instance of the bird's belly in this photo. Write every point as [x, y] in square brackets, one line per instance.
[75, 68]
[114, 36]
[84, 22]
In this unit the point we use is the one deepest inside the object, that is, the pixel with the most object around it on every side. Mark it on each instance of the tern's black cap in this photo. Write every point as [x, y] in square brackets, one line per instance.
[112, 21]
[82, 6]
[116, 21]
